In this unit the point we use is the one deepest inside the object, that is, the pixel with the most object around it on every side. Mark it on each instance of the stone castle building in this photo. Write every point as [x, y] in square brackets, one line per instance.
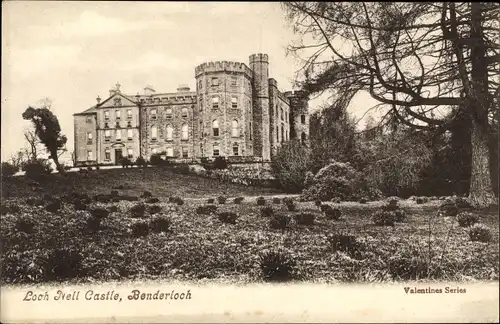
[236, 111]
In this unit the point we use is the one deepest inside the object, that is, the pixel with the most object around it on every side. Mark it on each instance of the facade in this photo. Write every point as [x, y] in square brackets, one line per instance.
[236, 111]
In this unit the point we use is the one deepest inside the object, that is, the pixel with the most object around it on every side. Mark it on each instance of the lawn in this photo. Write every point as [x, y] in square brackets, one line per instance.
[60, 245]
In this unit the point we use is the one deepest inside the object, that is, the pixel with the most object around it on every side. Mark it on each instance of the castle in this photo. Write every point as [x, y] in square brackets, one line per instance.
[236, 111]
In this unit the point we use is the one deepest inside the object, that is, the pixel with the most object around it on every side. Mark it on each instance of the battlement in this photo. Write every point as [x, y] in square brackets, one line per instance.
[263, 58]
[223, 66]
[273, 82]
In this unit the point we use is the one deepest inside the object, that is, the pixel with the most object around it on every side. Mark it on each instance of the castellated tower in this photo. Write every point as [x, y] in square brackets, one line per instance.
[222, 121]
[299, 115]
[259, 64]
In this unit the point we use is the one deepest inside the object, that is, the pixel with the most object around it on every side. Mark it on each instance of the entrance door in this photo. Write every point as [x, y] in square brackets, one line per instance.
[118, 156]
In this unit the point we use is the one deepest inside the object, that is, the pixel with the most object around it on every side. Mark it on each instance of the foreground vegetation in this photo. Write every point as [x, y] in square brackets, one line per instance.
[117, 235]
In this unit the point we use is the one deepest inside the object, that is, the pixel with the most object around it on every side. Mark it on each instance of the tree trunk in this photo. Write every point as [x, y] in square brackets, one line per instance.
[59, 167]
[481, 192]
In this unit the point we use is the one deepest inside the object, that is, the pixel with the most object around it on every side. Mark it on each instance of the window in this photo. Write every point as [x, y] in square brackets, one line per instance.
[184, 112]
[89, 155]
[118, 114]
[234, 102]
[106, 115]
[277, 134]
[129, 113]
[201, 103]
[201, 129]
[118, 135]
[107, 154]
[303, 137]
[168, 112]
[154, 133]
[170, 133]
[153, 113]
[89, 120]
[170, 151]
[282, 115]
[130, 153]
[215, 102]
[234, 80]
[235, 149]
[130, 134]
[216, 149]
[201, 149]
[185, 132]
[200, 84]
[89, 138]
[106, 125]
[282, 134]
[215, 81]
[154, 150]
[303, 119]
[251, 130]
[129, 124]
[286, 135]
[235, 130]
[185, 153]
[215, 127]
[107, 135]
[117, 125]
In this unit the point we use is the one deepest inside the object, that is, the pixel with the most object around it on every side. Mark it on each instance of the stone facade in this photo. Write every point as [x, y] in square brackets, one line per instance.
[236, 111]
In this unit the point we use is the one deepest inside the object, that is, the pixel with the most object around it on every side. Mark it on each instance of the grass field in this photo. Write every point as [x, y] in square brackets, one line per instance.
[202, 247]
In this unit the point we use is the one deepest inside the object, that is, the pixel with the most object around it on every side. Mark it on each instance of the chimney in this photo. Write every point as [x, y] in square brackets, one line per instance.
[98, 99]
[183, 88]
[148, 90]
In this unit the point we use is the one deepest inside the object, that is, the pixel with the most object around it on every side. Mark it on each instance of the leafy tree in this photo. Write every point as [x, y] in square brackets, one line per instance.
[290, 165]
[418, 59]
[8, 169]
[48, 130]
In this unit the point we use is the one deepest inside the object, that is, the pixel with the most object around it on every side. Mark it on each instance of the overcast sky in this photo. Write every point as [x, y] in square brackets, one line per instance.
[71, 52]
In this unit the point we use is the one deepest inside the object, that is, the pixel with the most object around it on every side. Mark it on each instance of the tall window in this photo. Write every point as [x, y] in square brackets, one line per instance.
[168, 112]
[89, 138]
[170, 151]
[201, 149]
[201, 129]
[130, 134]
[282, 134]
[235, 129]
[215, 127]
[234, 102]
[185, 153]
[89, 155]
[106, 115]
[201, 103]
[251, 130]
[130, 153]
[170, 132]
[118, 114]
[235, 149]
[216, 149]
[215, 102]
[184, 112]
[303, 137]
[154, 133]
[303, 119]
[185, 132]
[215, 81]
[153, 113]
[107, 154]
[200, 84]
[282, 115]
[129, 113]
[277, 134]
[234, 80]
[107, 135]
[118, 135]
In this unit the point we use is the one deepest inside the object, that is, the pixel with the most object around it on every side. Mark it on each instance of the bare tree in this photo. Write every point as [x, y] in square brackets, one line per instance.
[427, 62]
[34, 149]
[19, 159]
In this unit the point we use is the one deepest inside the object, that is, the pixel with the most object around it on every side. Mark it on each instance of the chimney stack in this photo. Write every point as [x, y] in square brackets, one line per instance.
[98, 99]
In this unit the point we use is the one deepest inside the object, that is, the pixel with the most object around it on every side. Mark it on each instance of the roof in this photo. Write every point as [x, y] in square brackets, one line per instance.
[91, 110]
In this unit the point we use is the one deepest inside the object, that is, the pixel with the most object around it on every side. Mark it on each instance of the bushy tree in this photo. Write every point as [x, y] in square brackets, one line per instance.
[8, 169]
[48, 130]
[290, 165]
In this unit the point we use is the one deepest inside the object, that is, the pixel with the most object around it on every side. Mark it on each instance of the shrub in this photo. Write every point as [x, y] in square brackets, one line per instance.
[277, 265]
[462, 202]
[24, 224]
[210, 200]
[141, 162]
[261, 201]
[304, 218]
[480, 233]
[408, 267]
[128, 198]
[227, 217]
[125, 162]
[12, 209]
[331, 213]
[89, 168]
[100, 213]
[287, 200]
[267, 211]
[336, 200]
[344, 243]
[221, 200]
[279, 221]
[140, 229]
[97, 167]
[363, 201]
[47, 198]
[104, 198]
[154, 209]
[206, 210]
[94, 223]
[179, 201]
[79, 205]
[399, 216]
[113, 209]
[63, 264]
[8, 169]
[146, 194]
[422, 200]
[448, 208]
[155, 159]
[220, 163]
[383, 218]
[238, 200]
[138, 210]
[466, 219]
[37, 170]
[53, 206]
[317, 203]
[34, 202]
[114, 193]
[160, 224]
[291, 206]
[152, 200]
[276, 200]
[290, 165]
[390, 207]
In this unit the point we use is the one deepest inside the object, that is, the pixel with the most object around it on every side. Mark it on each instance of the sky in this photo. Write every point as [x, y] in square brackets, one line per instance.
[72, 52]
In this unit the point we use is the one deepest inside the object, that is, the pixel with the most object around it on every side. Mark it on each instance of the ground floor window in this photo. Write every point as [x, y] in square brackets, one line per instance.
[235, 149]
[89, 155]
[185, 153]
[107, 154]
[170, 151]
[130, 153]
[216, 150]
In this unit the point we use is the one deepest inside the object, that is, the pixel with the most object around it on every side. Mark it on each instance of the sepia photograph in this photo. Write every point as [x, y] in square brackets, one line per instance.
[249, 161]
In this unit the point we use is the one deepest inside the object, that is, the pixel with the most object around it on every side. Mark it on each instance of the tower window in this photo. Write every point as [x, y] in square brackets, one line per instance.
[118, 135]
[303, 119]
[216, 149]
[201, 129]
[234, 102]
[89, 138]
[168, 112]
[89, 155]
[185, 153]
[184, 112]
[235, 149]
[235, 129]
[215, 81]
[130, 134]
[185, 132]
[215, 102]
[200, 84]
[154, 133]
[153, 113]
[107, 135]
[215, 127]
[234, 81]
[170, 132]
[303, 137]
